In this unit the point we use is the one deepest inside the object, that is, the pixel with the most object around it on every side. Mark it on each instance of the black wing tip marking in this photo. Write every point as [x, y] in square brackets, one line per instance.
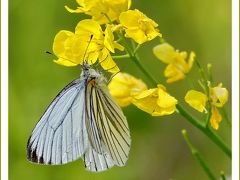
[32, 155]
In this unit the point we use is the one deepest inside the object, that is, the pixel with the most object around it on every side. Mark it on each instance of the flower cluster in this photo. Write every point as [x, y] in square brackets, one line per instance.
[112, 26]
[138, 26]
[177, 67]
[72, 47]
[94, 39]
[217, 97]
[126, 89]
[102, 11]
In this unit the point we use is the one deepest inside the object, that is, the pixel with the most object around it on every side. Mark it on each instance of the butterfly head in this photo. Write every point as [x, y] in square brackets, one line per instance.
[91, 75]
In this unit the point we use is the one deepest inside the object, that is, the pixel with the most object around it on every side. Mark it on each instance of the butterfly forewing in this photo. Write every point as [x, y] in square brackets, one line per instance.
[60, 135]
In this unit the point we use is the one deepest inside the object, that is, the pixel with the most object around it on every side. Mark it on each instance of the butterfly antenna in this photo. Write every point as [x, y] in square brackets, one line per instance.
[112, 76]
[99, 62]
[111, 68]
[91, 37]
[48, 52]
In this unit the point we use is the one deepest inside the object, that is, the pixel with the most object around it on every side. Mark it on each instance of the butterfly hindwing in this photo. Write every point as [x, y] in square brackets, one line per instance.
[106, 125]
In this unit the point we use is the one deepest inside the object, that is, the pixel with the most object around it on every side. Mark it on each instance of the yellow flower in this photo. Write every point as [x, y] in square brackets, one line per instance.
[102, 10]
[72, 48]
[218, 96]
[156, 102]
[177, 67]
[138, 26]
[216, 118]
[123, 86]
[197, 100]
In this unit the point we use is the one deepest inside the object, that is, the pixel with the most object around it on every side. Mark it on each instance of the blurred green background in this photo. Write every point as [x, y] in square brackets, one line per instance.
[158, 150]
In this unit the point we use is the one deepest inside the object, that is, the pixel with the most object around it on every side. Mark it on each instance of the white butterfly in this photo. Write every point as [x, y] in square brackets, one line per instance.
[83, 121]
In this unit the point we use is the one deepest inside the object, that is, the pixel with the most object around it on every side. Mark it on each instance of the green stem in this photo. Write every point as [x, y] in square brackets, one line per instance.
[205, 80]
[136, 49]
[209, 114]
[214, 138]
[190, 118]
[225, 116]
[162, 40]
[210, 77]
[197, 155]
[127, 49]
[222, 175]
[150, 77]
[218, 141]
[135, 59]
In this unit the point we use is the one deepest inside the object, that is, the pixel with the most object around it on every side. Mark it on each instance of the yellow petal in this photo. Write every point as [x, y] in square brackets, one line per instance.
[92, 57]
[109, 38]
[175, 78]
[107, 62]
[165, 100]
[138, 26]
[59, 44]
[130, 18]
[117, 27]
[165, 52]
[78, 10]
[151, 32]
[173, 73]
[146, 100]
[64, 62]
[137, 35]
[84, 7]
[123, 101]
[163, 111]
[156, 102]
[216, 118]
[118, 46]
[146, 93]
[81, 2]
[123, 86]
[116, 7]
[219, 95]
[191, 60]
[196, 99]
[64, 48]
[177, 67]
[102, 10]
[129, 3]
[88, 27]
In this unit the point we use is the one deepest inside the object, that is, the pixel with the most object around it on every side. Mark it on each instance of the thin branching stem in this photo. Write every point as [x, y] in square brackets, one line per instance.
[212, 136]
[195, 122]
[140, 66]
[206, 130]
[197, 156]
[209, 114]
[225, 116]
[222, 175]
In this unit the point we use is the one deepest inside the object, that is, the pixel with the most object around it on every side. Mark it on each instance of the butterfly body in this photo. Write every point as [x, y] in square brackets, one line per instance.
[83, 121]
